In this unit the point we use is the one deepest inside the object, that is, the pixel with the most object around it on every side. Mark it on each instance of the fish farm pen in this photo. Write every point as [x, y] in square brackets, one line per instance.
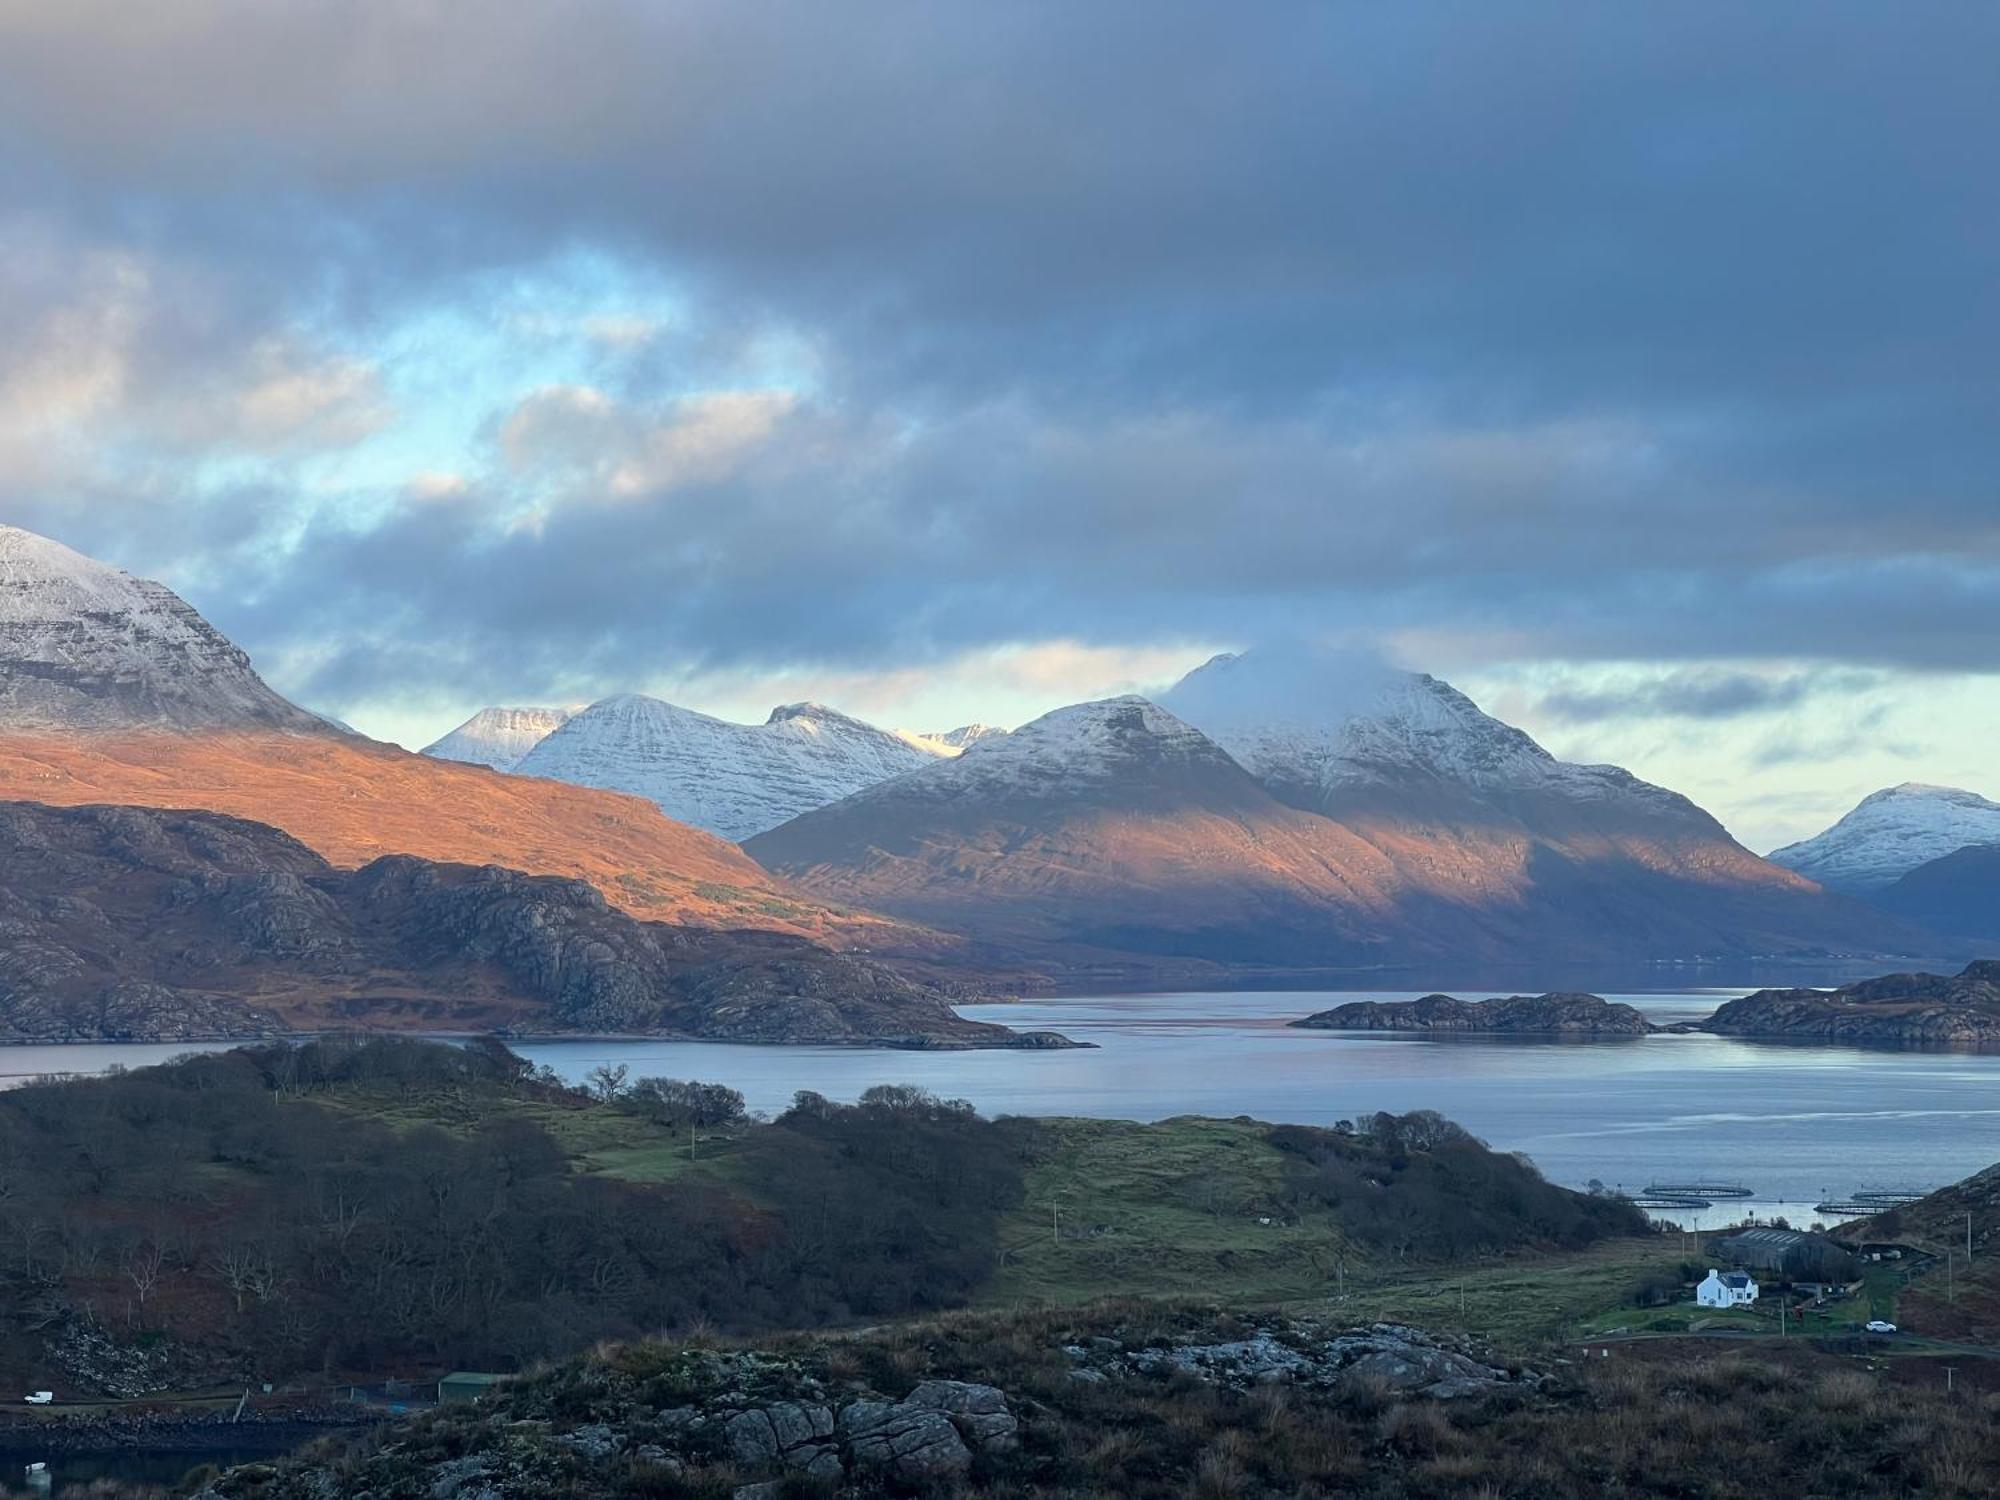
[1868, 1201]
[1688, 1194]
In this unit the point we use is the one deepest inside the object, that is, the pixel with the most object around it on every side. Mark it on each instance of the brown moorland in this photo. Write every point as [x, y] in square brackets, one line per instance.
[354, 800]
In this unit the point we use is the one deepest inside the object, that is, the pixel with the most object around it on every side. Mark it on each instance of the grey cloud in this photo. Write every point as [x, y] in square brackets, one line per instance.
[1661, 335]
[1698, 693]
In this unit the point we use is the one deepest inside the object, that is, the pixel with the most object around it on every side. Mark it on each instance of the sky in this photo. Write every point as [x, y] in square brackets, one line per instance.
[1634, 368]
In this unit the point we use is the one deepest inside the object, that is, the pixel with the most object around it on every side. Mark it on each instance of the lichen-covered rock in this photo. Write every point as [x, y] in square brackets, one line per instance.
[979, 1412]
[909, 1442]
[1401, 1359]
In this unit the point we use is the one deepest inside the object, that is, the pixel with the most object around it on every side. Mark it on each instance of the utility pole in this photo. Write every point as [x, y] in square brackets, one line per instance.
[1949, 1371]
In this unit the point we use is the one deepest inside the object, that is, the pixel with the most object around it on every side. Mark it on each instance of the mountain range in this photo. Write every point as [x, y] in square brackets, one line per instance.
[732, 779]
[114, 690]
[1283, 809]
[1284, 813]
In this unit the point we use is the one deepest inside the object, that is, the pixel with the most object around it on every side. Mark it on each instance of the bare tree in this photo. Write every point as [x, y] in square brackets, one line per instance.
[607, 1082]
[142, 1265]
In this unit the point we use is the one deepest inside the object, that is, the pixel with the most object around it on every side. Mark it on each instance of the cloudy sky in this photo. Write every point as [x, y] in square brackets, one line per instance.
[1635, 367]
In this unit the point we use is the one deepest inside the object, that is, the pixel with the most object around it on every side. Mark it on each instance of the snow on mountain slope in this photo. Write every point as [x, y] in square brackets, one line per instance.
[85, 646]
[1121, 744]
[500, 737]
[1333, 734]
[1890, 834]
[732, 779]
[966, 735]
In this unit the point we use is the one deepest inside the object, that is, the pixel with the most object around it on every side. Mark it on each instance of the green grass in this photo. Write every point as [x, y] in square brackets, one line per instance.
[1183, 1209]
[1171, 1209]
[596, 1140]
[1535, 1299]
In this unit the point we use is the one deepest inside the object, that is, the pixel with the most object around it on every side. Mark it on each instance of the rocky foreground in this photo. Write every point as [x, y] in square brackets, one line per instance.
[831, 1420]
[131, 924]
[1905, 1009]
[1520, 1015]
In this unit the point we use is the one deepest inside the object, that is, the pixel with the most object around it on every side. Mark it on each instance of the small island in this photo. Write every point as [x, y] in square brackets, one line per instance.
[1565, 1015]
[1906, 1009]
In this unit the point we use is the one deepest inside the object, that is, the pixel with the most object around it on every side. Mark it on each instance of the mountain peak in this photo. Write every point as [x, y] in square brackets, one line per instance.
[729, 778]
[1333, 731]
[499, 737]
[85, 646]
[1890, 833]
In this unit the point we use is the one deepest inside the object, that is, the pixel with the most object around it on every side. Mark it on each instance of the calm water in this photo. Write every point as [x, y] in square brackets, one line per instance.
[1795, 1123]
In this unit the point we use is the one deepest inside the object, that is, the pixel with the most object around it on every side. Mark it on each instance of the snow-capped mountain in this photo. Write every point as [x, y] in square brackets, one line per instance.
[1127, 744]
[500, 737]
[1298, 812]
[1110, 829]
[84, 646]
[966, 735]
[1890, 834]
[732, 779]
[1335, 735]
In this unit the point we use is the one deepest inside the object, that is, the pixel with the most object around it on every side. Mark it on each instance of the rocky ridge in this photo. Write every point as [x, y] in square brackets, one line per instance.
[130, 924]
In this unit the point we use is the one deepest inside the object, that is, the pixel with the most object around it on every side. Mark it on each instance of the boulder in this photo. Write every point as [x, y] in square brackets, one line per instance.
[907, 1442]
[979, 1412]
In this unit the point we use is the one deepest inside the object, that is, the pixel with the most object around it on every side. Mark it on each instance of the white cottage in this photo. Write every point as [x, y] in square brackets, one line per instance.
[1726, 1289]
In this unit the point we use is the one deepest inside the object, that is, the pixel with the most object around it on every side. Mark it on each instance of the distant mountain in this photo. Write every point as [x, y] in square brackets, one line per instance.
[1890, 834]
[129, 923]
[1958, 894]
[966, 735]
[114, 690]
[1364, 742]
[500, 737]
[1107, 827]
[731, 779]
[86, 647]
[1264, 824]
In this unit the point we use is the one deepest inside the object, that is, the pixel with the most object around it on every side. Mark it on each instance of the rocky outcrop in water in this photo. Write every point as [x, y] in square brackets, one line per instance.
[130, 924]
[1904, 1009]
[1523, 1015]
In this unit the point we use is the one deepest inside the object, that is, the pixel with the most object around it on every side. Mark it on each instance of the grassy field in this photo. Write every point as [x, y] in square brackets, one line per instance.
[609, 1142]
[1183, 1208]
[1186, 1208]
